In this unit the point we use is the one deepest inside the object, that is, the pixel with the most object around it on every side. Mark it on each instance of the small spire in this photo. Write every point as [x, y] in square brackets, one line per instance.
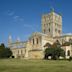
[18, 39]
[52, 9]
[10, 39]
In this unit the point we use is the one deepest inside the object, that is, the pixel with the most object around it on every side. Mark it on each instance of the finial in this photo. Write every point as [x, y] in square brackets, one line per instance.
[52, 9]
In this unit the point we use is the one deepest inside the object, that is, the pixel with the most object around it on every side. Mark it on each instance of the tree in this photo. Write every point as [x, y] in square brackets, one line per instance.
[2, 47]
[48, 52]
[4, 51]
[55, 53]
[54, 50]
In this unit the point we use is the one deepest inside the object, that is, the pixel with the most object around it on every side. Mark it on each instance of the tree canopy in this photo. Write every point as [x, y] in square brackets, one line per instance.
[4, 51]
[55, 51]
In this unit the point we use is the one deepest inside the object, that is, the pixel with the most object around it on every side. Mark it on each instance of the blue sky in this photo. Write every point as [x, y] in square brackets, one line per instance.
[19, 18]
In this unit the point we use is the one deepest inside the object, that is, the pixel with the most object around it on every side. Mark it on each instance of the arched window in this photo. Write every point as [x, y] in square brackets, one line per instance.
[37, 40]
[18, 51]
[21, 51]
[68, 53]
[49, 29]
[33, 41]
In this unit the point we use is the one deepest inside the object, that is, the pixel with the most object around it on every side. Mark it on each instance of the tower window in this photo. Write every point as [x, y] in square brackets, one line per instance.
[44, 31]
[55, 24]
[44, 25]
[55, 30]
[44, 18]
[58, 31]
[49, 29]
[49, 24]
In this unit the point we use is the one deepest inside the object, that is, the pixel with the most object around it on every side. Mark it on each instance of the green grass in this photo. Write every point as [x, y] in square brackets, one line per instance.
[17, 65]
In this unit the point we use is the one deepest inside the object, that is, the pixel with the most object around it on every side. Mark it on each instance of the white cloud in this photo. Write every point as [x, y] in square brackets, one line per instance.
[18, 18]
[14, 16]
[32, 27]
[28, 25]
[21, 19]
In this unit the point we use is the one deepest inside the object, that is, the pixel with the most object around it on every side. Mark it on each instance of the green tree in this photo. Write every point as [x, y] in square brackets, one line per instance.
[48, 52]
[2, 47]
[4, 51]
[55, 53]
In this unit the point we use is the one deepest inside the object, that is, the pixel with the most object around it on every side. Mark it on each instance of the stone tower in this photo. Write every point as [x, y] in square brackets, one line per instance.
[52, 24]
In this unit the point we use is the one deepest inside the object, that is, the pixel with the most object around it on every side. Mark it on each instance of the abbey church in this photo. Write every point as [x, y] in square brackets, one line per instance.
[34, 47]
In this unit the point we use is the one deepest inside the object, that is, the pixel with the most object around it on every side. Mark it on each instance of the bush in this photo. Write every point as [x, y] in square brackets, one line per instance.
[70, 58]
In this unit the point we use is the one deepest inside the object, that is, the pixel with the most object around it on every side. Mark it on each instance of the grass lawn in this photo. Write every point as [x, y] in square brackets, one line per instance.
[17, 65]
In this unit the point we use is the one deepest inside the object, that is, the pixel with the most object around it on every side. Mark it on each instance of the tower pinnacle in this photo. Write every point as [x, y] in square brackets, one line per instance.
[10, 39]
[52, 9]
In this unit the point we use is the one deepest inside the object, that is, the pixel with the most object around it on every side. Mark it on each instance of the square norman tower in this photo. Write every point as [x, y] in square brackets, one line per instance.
[52, 24]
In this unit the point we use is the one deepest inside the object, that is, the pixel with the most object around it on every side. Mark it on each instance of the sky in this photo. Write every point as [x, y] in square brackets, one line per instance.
[20, 18]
